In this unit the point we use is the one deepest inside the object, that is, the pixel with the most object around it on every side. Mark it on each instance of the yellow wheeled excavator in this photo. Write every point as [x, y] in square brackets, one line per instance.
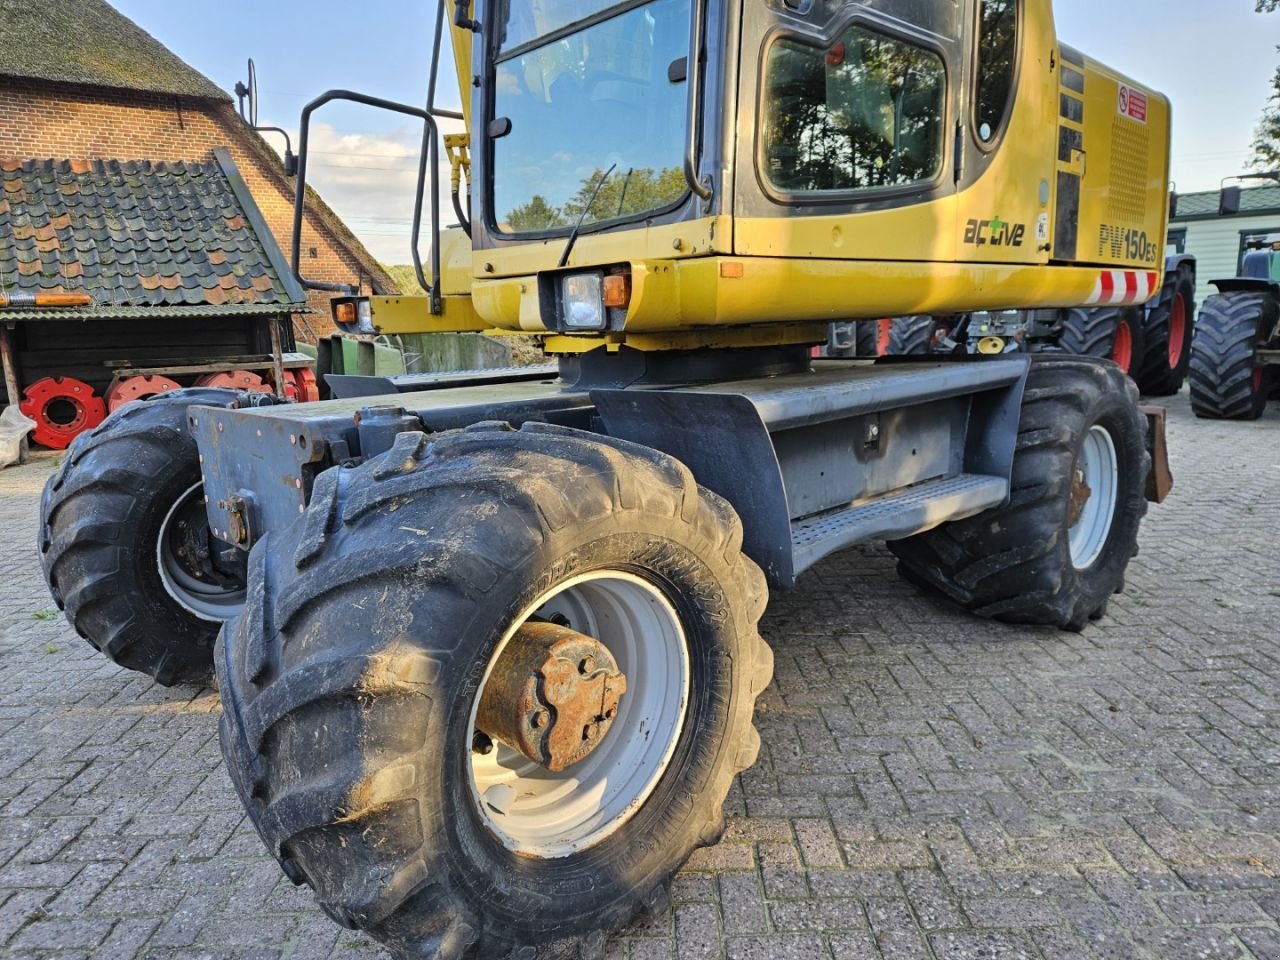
[487, 645]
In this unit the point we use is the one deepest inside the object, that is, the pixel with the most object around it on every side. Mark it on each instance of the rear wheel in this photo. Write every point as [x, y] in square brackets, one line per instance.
[1228, 381]
[911, 336]
[1060, 548]
[1167, 332]
[1108, 333]
[125, 545]
[491, 690]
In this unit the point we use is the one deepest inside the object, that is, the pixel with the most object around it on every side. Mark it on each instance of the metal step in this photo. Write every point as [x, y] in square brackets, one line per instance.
[895, 516]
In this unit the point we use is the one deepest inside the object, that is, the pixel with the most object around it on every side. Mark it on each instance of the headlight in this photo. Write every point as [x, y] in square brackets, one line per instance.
[582, 301]
[354, 316]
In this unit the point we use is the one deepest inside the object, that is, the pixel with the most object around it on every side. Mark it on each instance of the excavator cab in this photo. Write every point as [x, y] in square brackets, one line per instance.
[888, 158]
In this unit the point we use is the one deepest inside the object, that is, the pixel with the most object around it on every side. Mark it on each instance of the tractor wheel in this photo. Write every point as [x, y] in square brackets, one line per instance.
[1227, 381]
[911, 336]
[1167, 336]
[1108, 333]
[394, 719]
[1059, 549]
[868, 339]
[125, 545]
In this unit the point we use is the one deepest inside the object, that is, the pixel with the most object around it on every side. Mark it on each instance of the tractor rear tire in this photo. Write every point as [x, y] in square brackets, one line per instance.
[1227, 381]
[1046, 557]
[124, 489]
[911, 336]
[1108, 333]
[349, 685]
[1167, 335]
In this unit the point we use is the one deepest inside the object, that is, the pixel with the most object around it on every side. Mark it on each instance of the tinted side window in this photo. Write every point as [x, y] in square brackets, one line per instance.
[867, 112]
[997, 59]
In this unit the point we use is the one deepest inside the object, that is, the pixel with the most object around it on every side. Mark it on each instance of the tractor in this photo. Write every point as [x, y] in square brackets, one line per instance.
[488, 648]
[1235, 358]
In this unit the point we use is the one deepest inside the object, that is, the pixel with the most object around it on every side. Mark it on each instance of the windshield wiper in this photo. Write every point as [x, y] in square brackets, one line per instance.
[573, 237]
[626, 182]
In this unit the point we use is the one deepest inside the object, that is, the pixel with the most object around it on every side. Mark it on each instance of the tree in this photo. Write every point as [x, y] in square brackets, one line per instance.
[535, 215]
[1266, 144]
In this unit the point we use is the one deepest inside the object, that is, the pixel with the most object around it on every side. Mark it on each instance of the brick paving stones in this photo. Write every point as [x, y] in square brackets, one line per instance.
[930, 786]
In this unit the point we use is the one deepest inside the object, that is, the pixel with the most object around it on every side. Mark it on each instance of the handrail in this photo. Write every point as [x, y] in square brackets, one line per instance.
[427, 158]
[694, 111]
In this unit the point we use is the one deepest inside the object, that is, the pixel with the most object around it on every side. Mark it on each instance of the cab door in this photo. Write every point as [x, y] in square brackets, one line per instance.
[1008, 133]
[846, 124]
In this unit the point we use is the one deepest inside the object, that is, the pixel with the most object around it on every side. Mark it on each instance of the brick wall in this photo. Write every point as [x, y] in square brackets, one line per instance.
[40, 121]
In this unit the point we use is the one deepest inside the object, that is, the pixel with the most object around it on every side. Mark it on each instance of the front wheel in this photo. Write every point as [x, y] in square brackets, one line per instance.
[1059, 549]
[490, 692]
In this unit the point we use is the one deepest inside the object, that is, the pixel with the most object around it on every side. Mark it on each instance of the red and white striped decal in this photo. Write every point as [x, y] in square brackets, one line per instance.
[1124, 288]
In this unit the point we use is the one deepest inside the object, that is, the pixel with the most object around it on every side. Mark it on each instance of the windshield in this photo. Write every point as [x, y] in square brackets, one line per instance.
[601, 98]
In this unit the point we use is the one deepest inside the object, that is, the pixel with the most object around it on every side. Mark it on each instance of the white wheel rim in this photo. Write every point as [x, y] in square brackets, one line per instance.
[1100, 470]
[208, 601]
[537, 813]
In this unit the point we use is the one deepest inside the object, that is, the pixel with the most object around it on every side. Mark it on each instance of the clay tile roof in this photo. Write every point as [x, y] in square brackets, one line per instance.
[139, 234]
[90, 42]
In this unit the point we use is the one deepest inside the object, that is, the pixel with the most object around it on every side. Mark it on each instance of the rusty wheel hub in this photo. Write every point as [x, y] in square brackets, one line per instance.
[579, 714]
[1080, 494]
[552, 696]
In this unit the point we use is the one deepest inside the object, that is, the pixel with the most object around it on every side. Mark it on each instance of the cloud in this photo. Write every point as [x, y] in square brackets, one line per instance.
[370, 179]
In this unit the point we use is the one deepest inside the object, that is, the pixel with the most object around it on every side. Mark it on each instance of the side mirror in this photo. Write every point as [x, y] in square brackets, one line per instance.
[290, 163]
[1173, 206]
[1229, 202]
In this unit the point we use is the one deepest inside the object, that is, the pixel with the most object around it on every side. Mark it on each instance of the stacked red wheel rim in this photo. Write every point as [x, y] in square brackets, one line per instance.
[138, 388]
[300, 385]
[63, 408]
[235, 380]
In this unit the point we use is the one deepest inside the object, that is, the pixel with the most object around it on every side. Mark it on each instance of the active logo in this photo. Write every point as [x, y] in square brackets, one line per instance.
[994, 232]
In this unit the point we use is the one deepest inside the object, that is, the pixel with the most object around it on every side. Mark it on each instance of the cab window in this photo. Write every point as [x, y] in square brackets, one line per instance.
[997, 57]
[867, 112]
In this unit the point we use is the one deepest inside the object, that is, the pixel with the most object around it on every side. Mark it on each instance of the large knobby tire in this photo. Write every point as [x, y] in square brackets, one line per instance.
[868, 339]
[1036, 560]
[911, 336]
[349, 684]
[1107, 333]
[117, 522]
[1167, 334]
[1227, 381]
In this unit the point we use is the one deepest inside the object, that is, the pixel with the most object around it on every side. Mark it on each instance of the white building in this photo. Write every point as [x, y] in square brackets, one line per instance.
[1218, 243]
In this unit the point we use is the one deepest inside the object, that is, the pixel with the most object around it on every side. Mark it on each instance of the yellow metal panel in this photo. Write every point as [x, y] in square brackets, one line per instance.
[1124, 201]
[675, 295]
[413, 315]
[694, 239]
[1013, 195]
[921, 231]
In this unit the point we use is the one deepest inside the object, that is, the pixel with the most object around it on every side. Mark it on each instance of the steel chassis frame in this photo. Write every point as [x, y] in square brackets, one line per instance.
[814, 460]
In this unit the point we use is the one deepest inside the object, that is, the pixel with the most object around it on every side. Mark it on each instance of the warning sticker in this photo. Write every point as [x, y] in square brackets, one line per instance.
[1132, 104]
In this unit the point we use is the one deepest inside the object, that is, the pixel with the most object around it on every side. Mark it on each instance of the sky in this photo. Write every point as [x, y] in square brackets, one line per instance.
[1213, 58]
